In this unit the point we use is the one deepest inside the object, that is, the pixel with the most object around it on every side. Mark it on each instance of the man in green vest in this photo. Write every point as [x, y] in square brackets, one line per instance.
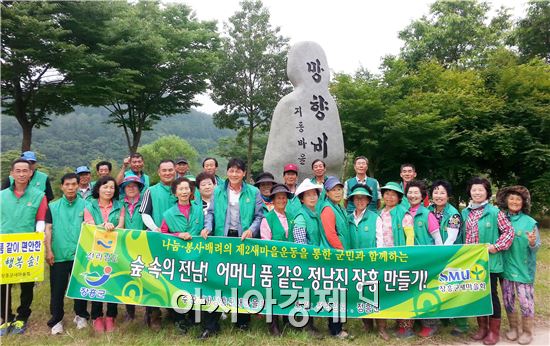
[182, 169]
[23, 211]
[361, 165]
[210, 166]
[63, 222]
[235, 211]
[84, 182]
[408, 173]
[38, 180]
[156, 200]
[135, 163]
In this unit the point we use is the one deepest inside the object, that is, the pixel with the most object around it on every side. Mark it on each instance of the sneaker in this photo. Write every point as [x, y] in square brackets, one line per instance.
[58, 328]
[99, 325]
[109, 324]
[343, 335]
[80, 322]
[5, 328]
[18, 327]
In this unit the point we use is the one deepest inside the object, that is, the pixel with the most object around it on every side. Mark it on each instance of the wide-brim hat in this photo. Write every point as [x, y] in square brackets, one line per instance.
[264, 178]
[307, 185]
[360, 190]
[278, 188]
[502, 196]
[132, 179]
[331, 182]
[392, 186]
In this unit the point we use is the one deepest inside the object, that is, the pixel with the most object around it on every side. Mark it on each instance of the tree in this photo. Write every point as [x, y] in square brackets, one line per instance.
[455, 33]
[163, 57]
[251, 79]
[230, 147]
[37, 58]
[532, 35]
[167, 147]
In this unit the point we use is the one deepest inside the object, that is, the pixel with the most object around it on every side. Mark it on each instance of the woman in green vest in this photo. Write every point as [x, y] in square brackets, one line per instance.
[276, 226]
[486, 224]
[336, 232]
[204, 184]
[132, 186]
[396, 230]
[450, 221]
[307, 227]
[104, 210]
[520, 262]
[363, 223]
[185, 219]
[426, 232]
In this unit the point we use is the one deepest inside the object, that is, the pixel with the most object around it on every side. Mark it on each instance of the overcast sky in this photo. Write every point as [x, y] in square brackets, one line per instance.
[353, 33]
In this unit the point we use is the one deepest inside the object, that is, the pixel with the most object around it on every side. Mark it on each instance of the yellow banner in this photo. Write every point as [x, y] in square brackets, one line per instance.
[21, 257]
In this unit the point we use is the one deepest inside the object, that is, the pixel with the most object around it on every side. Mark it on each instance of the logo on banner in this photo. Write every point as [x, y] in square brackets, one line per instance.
[95, 279]
[104, 241]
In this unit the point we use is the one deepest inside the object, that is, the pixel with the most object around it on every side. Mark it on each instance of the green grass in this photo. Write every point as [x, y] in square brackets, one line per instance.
[134, 333]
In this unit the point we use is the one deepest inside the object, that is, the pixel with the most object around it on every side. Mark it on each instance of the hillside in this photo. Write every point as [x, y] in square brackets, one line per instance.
[84, 135]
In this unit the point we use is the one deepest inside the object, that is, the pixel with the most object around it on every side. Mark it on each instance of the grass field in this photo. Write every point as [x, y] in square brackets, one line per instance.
[134, 333]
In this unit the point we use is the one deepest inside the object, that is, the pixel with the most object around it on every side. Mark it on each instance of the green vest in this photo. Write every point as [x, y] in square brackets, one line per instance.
[114, 215]
[488, 234]
[162, 199]
[293, 207]
[19, 214]
[67, 218]
[133, 221]
[421, 233]
[397, 214]
[38, 180]
[314, 227]
[363, 235]
[372, 184]
[448, 211]
[219, 181]
[277, 230]
[247, 206]
[520, 260]
[404, 201]
[177, 222]
[342, 228]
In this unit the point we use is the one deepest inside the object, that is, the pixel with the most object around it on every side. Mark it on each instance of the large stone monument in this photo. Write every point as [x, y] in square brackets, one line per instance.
[305, 124]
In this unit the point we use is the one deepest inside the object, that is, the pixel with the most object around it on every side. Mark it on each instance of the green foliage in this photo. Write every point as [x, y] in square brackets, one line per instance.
[251, 78]
[456, 33]
[230, 147]
[163, 56]
[37, 57]
[168, 147]
[532, 35]
[84, 136]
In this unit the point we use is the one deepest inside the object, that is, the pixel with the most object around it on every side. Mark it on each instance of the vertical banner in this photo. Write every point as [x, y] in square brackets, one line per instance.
[269, 277]
[21, 257]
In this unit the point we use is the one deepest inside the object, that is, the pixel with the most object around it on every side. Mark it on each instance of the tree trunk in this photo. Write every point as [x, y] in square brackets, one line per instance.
[136, 138]
[249, 152]
[27, 137]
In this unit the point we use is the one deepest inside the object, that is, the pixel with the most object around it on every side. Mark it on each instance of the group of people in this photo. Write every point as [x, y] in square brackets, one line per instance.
[319, 211]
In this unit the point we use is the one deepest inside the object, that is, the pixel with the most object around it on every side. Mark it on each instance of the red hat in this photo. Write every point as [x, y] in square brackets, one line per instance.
[290, 168]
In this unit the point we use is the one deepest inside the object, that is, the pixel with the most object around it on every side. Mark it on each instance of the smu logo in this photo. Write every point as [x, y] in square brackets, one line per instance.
[454, 275]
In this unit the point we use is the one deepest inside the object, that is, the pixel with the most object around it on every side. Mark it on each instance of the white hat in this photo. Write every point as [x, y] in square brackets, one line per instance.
[307, 185]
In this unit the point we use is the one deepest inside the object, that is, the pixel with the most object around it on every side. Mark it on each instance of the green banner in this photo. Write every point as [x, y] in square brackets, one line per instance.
[281, 278]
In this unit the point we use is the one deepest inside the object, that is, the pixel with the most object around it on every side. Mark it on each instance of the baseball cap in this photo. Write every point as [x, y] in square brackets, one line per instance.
[82, 169]
[29, 156]
[290, 168]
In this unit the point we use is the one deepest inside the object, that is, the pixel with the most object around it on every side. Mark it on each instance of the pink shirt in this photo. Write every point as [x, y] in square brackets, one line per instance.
[265, 230]
[384, 225]
[88, 218]
[185, 210]
[433, 224]
[131, 206]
